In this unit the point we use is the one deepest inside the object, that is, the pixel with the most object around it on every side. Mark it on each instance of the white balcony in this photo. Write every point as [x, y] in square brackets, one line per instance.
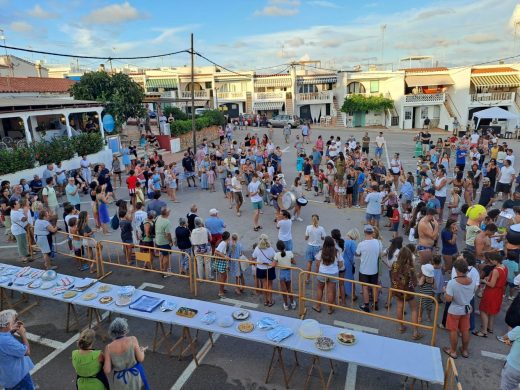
[492, 98]
[424, 99]
[368, 94]
[200, 95]
[270, 96]
[169, 94]
[315, 97]
[231, 96]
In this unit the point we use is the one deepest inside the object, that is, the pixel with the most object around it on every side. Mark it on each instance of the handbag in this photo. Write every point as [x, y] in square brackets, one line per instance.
[243, 264]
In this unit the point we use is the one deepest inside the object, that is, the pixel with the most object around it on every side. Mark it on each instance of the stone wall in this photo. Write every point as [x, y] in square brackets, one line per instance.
[210, 133]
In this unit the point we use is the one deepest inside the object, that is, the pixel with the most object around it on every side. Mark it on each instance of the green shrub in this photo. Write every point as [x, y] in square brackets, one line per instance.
[16, 160]
[87, 143]
[209, 118]
[178, 114]
[53, 151]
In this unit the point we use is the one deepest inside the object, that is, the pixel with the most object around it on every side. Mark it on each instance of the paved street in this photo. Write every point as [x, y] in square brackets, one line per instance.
[233, 364]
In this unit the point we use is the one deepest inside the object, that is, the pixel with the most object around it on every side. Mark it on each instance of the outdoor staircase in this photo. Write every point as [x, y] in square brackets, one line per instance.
[337, 118]
[289, 109]
[249, 102]
[452, 110]
[517, 102]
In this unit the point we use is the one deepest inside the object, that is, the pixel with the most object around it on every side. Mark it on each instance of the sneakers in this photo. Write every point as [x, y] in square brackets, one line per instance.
[293, 305]
[365, 308]
[285, 307]
[299, 219]
[292, 218]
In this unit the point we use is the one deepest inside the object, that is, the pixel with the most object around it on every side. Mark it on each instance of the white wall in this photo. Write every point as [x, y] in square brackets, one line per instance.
[459, 94]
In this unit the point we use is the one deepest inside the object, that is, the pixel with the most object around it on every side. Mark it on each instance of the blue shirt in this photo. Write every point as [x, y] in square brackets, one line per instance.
[316, 157]
[513, 359]
[373, 200]
[461, 156]
[434, 203]
[215, 225]
[447, 248]
[407, 190]
[14, 365]
[299, 163]
[72, 199]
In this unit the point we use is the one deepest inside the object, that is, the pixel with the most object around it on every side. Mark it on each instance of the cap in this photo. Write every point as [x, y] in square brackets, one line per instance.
[213, 212]
[431, 191]
[427, 270]
[368, 229]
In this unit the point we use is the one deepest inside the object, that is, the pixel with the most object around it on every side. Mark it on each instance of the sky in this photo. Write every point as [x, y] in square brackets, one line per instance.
[263, 35]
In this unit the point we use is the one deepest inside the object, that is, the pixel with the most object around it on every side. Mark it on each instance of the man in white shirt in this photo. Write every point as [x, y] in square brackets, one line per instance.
[236, 189]
[380, 143]
[373, 201]
[369, 250]
[510, 156]
[18, 224]
[256, 200]
[139, 217]
[473, 139]
[506, 177]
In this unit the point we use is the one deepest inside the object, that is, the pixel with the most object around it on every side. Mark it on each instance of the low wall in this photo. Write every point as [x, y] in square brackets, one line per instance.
[105, 156]
[210, 133]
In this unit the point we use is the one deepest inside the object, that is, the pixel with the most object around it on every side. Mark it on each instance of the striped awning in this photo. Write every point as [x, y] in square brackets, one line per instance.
[318, 80]
[273, 82]
[267, 106]
[161, 83]
[426, 80]
[504, 80]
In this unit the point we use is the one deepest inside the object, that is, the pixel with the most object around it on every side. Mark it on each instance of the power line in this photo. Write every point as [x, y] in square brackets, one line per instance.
[220, 66]
[93, 57]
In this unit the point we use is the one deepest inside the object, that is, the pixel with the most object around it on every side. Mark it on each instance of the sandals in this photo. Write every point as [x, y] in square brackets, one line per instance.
[330, 311]
[417, 336]
[316, 309]
[256, 229]
[463, 354]
[479, 333]
[402, 329]
[447, 351]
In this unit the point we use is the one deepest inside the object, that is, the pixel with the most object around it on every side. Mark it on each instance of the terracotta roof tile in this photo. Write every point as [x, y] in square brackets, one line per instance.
[493, 70]
[425, 70]
[34, 84]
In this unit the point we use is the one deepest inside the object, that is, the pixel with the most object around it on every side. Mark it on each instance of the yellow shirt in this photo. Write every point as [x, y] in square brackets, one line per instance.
[494, 153]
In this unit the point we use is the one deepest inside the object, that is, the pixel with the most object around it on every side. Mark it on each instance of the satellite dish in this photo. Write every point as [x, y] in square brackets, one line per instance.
[108, 123]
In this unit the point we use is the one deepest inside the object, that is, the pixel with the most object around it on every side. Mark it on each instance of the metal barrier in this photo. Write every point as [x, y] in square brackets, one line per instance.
[32, 248]
[86, 250]
[208, 261]
[304, 298]
[120, 254]
[451, 376]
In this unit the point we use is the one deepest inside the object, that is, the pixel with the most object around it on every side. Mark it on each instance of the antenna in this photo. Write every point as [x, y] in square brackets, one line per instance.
[383, 30]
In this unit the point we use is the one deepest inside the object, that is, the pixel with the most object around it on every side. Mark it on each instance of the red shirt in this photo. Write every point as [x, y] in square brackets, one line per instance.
[131, 181]
[395, 216]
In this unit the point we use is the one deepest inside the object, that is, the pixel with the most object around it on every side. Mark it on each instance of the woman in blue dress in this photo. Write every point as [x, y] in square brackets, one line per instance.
[348, 259]
[125, 155]
[102, 204]
[203, 169]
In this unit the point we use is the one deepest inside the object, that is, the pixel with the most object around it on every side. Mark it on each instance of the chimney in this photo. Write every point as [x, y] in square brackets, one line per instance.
[38, 67]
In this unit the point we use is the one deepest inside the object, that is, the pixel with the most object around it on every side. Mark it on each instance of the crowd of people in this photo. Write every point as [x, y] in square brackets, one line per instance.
[462, 189]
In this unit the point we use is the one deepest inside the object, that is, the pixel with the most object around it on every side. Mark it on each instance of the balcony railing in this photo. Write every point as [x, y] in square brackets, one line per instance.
[203, 94]
[322, 96]
[231, 95]
[169, 94]
[493, 96]
[426, 98]
[270, 95]
[368, 94]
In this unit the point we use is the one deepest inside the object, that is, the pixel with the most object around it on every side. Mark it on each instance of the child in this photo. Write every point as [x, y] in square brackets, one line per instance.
[407, 217]
[321, 177]
[511, 263]
[299, 146]
[211, 178]
[299, 164]
[139, 194]
[171, 179]
[235, 267]
[285, 259]
[426, 283]
[125, 224]
[394, 220]
[229, 187]
[438, 276]
[326, 190]
[350, 189]
[391, 257]
[76, 244]
[342, 193]
[315, 185]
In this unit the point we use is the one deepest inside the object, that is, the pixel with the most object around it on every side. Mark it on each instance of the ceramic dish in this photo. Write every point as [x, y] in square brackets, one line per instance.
[225, 322]
[123, 300]
[346, 338]
[9, 271]
[246, 327]
[35, 283]
[23, 281]
[324, 343]
[89, 296]
[186, 312]
[49, 275]
[106, 299]
[5, 278]
[47, 285]
[241, 315]
[104, 288]
[69, 294]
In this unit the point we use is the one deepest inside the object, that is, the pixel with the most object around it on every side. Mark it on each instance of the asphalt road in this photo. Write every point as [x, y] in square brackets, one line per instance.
[233, 364]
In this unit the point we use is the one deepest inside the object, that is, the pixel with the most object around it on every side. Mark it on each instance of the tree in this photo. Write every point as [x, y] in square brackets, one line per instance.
[123, 98]
[355, 103]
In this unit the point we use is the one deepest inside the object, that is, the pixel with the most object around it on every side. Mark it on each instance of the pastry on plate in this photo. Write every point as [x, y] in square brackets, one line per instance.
[106, 299]
[246, 327]
[346, 338]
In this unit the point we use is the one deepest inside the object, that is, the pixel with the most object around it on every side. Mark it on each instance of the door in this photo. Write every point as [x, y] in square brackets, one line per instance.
[305, 113]
[408, 115]
[358, 119]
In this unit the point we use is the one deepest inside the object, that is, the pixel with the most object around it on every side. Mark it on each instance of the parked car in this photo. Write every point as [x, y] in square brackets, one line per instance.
[282, 120]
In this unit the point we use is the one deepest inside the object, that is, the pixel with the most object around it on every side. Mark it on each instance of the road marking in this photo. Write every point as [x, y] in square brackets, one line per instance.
[359, 328]
[493, 355]
[63, 347]
[284, 150]
[152, 285]
[239, 303]
[44, 341]
[8, 246]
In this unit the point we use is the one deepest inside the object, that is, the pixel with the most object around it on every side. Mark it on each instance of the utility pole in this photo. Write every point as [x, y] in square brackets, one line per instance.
[193, 129]
[383, 30]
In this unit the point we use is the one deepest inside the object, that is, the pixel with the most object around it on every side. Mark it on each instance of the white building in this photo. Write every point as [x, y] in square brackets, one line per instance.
[12, 66]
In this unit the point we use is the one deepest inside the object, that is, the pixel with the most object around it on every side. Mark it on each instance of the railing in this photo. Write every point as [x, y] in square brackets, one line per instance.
[425, 98]
[169, 94]
[204, 94]
[493, 96]
[84, 250]
[231, 95]
[451, 376]
[368, 94]
[269, 95]
[315, 96]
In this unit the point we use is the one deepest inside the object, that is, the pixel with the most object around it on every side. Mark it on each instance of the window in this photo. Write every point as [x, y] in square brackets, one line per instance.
[355, 87]
[424, 112]
[374, 86]
[307, 88]
[208, 85]
[407, 115]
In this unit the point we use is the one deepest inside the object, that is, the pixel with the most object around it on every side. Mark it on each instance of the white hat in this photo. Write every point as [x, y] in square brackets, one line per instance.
[427, 270]
[213, 212]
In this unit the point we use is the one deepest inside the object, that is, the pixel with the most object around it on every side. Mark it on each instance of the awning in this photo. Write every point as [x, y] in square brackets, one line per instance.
[318, 80]
[161, 83]
[505, 80]
[267, 106]
[273, 82]
[426, 80]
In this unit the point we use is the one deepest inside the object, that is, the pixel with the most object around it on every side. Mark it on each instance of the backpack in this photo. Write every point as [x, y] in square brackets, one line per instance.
[114, 222]
[152, 228]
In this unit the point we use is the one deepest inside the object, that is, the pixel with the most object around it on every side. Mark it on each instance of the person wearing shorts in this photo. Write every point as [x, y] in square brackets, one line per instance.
[256, 200]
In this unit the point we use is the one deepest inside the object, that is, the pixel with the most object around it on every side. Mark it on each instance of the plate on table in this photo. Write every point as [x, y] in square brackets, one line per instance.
[66, 281]
[9, 271]
[246, 327]
[324, 343]
[146, 303]
[225, 322]
[48, 285]
[89, 296]
[35, 283]
[241, 314]
[69, 294]
[186, 312]
[346, 338]
[23, 281]
[106, 299]
[104, 288]
[5, 278]
[123, 300]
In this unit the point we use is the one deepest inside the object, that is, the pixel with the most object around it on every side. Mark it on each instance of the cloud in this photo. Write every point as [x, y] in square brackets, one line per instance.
[481, 38]
[21, 27]
[290, 3]
[115, 13]
[38, 12]
[279, 8]
[295, 42]
[433, 12]
[323, 4]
